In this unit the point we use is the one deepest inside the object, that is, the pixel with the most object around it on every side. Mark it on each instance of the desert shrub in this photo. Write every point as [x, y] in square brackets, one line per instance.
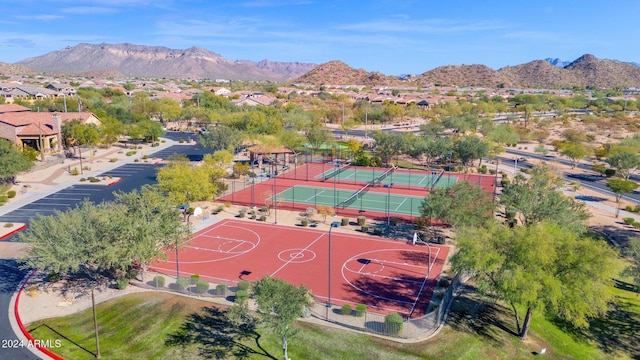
[241, 296]
[243, 285]
[3, 199]
[505, 181]
[630, 208]
[221, 289]
[53, 277]
[145, 157]
[130, 153]
[113, 160]
[11, 194]
[8, 225]
[443, 282]
[609, 172]
[139, 146]
[86, 168]
[202, 286]
[74, 171]
[393, 324]
[304, 222]
[263, 218]
[361, 220]
[219, 208]
[377, 231]
[361, 309]
[182, 283]
[193, 279]
[122, 283]
[227, 204]
[242, 213]
[83, 179]
[94, 179]
[264, 209]
[346, 309]
[629, 220]
[158, 281]
[364, 228]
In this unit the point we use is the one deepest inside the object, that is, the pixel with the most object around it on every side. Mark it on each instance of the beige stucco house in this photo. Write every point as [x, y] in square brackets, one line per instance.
[39, 130]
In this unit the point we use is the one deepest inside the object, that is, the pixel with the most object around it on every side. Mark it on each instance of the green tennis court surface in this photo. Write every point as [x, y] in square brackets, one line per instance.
[416, 179]
[350, 199]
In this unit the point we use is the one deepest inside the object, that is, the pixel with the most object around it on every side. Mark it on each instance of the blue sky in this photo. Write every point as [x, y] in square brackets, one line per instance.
[392, 37]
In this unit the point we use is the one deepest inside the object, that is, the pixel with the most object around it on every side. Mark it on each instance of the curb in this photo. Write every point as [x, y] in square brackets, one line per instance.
[24, 226]
[30, 340]
[114, 181]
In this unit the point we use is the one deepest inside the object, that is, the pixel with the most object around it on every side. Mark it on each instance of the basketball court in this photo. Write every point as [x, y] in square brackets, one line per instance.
[386, 275]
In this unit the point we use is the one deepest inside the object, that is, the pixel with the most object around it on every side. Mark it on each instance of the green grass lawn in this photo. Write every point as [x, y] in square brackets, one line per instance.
[138, 326]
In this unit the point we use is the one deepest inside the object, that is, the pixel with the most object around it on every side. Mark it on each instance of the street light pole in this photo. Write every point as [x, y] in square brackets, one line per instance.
[334, 224]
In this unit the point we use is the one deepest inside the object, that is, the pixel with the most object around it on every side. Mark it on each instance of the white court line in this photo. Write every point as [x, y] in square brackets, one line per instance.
[399, 205]
[305, 248]
[423, 179]
[424, 283]
[238, 245]
[314, 195]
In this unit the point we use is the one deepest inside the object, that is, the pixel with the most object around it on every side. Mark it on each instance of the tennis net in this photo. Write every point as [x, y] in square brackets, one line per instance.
[353, 197]
[379, 179]
[436, 179]
[337, 171]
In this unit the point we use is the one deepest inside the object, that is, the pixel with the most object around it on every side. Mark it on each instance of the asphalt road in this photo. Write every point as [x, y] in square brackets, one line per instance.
[10, 347]
[133, 176]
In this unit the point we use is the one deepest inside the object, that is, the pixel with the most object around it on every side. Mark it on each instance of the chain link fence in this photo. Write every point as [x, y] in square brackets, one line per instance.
[373, 322]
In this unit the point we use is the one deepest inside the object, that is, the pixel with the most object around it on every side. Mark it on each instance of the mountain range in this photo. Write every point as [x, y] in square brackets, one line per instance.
[129, 60]
[160, 62]
[586, 71]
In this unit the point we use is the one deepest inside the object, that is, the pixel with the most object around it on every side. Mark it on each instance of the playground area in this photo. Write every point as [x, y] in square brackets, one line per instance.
[386, 275]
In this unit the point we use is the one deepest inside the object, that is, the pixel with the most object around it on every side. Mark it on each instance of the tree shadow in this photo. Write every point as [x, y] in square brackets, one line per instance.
[617, 330]
[63, 337]
[472, 313]
[217, 337]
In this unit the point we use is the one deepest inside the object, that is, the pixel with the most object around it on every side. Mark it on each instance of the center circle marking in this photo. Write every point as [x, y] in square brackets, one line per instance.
[296, 256]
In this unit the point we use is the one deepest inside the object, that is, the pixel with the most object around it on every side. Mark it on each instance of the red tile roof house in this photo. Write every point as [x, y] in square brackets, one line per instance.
[39, 130]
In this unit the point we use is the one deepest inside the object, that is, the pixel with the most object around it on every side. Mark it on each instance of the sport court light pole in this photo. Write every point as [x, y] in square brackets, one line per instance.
[275, 198]
[334, 224]
[335, 175]
[388, 186]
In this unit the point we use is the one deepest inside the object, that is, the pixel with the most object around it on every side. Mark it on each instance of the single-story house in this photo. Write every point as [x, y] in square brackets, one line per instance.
[39, 130]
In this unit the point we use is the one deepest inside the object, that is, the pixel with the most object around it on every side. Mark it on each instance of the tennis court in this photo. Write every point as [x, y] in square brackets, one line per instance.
[361, 200]
[382, 176]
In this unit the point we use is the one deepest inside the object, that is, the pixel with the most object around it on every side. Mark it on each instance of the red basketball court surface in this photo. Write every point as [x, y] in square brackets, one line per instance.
[386, 275]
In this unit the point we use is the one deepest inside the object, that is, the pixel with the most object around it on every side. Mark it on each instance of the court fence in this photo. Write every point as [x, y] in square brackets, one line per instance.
[368, 320]
[412, 328]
